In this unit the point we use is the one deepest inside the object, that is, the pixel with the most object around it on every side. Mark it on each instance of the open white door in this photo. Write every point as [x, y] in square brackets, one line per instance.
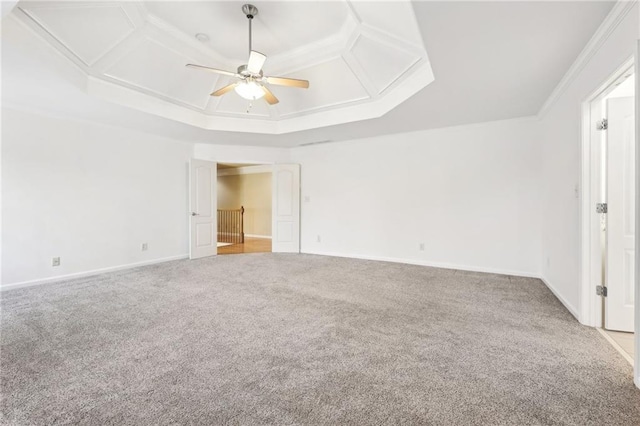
[203, 235]
[286, 208]
[619, 312]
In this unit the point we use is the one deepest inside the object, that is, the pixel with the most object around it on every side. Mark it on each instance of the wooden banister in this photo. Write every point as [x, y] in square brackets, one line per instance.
[231, 226]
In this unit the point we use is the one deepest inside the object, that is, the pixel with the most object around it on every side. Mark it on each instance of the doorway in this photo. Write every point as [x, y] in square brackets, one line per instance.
[203, 205]
[244, 208]
[609, 206]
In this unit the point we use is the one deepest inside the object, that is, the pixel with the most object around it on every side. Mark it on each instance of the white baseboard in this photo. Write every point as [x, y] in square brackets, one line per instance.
[562, 300]
[616, 346]
[268, 237]
[442, 265]
[89, 273]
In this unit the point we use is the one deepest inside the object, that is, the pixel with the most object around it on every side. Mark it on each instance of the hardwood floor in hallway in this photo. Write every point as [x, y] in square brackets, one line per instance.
[251, 245]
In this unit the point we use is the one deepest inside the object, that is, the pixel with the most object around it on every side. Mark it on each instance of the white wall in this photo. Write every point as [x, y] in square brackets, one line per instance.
[470, 193]
[241, 154]
[251, 191]
[90, 194]
[560, 143]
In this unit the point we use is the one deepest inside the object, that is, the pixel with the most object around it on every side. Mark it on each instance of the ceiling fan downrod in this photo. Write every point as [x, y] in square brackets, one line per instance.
[250, 11]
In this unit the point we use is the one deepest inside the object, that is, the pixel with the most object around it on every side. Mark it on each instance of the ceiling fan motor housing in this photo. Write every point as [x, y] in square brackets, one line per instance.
[250, 10]
[242, 70]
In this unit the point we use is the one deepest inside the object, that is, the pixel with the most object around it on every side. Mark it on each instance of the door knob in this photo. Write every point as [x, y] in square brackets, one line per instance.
[194, 214]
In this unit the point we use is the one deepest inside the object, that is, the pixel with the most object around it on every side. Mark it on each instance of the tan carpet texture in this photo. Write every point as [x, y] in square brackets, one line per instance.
[301, 339]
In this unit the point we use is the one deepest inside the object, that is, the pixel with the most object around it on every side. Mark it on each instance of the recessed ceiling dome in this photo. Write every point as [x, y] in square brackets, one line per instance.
[363, 58]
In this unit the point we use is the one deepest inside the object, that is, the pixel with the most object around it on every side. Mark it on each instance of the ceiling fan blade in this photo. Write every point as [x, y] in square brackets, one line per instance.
[224, 90]
[291, 82]
[215, 70]
[256, 61]
[269, 97]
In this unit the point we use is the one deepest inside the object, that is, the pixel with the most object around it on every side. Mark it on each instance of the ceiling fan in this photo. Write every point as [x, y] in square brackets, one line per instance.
[251, 78]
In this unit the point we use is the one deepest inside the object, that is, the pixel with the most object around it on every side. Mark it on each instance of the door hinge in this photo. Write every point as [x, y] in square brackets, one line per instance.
[602, 124]
[602, 208]
[601, 290]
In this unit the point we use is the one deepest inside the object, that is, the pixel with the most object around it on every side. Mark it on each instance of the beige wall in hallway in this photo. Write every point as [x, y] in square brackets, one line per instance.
[253, 191]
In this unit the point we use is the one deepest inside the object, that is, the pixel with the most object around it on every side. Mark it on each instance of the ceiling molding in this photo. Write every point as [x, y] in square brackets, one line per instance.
[618, 13]
[53, 33]
[141, 64]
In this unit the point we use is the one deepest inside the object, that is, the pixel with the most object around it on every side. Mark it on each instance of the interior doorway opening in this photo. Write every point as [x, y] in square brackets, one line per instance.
[203, 205]
[244, 195]
[609, 211]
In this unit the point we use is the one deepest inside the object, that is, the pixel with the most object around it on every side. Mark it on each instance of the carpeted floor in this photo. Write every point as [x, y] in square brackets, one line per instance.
[300, 339]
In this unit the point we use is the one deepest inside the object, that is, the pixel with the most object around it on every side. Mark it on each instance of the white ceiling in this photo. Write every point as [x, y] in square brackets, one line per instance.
[362, 58]
[491, 61]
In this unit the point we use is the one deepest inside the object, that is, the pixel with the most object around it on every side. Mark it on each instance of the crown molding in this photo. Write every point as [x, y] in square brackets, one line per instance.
[619, 12]
[101, 78]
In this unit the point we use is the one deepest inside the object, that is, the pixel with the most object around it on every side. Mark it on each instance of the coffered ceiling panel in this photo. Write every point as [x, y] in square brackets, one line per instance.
[86, 30]
[393, 17]
[333, 83]
[278, 28]
[154, 67]
[392, 61]
[362, 59]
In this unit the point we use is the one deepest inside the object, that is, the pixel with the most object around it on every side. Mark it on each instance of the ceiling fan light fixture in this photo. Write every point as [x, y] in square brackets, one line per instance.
[250, 90]
[250, 75]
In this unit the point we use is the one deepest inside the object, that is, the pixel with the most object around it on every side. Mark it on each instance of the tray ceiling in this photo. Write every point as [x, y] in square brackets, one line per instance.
[361, 58]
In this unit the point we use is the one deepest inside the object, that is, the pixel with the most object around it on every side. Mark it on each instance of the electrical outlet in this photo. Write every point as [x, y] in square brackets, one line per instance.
[145, 246]
[548, 261]
[421, 247]
[307, 198]
[55, 261]
[318, 239]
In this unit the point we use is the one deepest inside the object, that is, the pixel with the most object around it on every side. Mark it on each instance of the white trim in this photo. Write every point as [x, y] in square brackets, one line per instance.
[572, 309]
[245, 170]
[5, 287]
[589, 271]
[442, 265]
[615, 344]
[268, 237]
[636, 371]
[610, 23]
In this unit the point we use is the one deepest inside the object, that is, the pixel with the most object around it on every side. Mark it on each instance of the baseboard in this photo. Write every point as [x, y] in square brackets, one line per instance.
[442, 265]
[267, 237]
[90, 273]
[562, 300]
[616, 346]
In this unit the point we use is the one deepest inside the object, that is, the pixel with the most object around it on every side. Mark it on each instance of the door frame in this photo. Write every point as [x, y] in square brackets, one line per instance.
[590, 270]
[269, 164]
[591, 310]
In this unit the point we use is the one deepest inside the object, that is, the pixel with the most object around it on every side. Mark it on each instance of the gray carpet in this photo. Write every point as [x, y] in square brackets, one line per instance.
[300, 339]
